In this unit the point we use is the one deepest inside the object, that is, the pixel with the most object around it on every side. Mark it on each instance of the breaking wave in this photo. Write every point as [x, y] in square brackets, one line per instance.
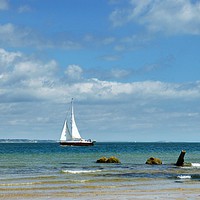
[80, 171]
[184, 177]
[197, 165]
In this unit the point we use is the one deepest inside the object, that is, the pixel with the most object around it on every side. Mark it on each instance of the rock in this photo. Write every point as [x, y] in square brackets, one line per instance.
[102, 160]
[108, 160]
[154, 161]
[180, 161]
[113, 160]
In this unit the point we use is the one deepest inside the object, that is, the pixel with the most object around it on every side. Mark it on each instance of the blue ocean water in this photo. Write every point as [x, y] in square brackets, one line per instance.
[50, 167]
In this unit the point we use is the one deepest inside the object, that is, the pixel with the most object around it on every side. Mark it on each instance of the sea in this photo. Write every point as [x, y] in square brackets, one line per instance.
[46, 170]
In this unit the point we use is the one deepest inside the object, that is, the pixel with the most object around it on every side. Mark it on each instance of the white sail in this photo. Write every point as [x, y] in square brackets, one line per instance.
[74, 130]
[65, 135]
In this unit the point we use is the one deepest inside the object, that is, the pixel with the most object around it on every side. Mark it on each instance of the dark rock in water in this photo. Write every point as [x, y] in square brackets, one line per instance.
[180, 161]
[108, 160]
[154, 161]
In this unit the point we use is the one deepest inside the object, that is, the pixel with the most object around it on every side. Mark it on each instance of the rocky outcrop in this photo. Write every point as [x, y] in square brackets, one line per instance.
[108, 160]
[180, 161]
[102, 160]
[154, 161]
[113, 160]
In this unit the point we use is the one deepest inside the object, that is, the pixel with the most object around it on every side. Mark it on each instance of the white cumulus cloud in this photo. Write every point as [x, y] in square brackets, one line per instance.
[20, 74]
[74, 72]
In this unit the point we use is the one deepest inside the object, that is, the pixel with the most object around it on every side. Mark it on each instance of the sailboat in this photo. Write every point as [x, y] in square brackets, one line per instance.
[70, 135]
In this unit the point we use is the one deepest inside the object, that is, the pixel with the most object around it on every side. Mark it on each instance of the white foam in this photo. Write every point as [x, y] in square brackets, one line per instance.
[19, 184]
[80, 171]
[196, 165]
[184, 177]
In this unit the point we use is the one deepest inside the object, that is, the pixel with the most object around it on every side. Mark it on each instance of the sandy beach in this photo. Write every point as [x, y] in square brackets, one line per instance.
[178, 193]
[145, 191]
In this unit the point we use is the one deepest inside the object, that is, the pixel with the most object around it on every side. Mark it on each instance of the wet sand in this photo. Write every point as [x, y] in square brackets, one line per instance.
[146, 191]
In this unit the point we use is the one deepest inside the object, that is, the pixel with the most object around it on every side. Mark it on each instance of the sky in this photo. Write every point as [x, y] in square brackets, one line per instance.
[132, 67]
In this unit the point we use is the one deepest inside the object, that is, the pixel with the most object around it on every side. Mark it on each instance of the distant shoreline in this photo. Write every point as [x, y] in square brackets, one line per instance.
[57, 141]
[26, 141]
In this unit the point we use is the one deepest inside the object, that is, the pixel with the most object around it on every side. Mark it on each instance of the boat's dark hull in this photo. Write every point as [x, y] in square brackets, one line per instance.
[76, 143]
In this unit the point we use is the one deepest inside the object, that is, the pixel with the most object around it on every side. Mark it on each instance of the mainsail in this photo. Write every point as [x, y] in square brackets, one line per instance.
[74, 130]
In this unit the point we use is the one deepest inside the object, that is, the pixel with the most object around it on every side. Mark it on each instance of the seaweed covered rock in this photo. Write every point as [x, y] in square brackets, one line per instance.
[112, 159]
[154, 161]
[102, 160]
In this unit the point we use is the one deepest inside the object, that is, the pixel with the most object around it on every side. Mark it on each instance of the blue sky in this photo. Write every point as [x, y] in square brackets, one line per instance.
[131, 66]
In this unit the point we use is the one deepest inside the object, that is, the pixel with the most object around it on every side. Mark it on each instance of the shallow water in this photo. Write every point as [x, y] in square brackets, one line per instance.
[31, 170]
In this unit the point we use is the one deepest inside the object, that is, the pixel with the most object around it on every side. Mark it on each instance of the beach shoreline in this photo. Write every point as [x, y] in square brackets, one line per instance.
[136, 191]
